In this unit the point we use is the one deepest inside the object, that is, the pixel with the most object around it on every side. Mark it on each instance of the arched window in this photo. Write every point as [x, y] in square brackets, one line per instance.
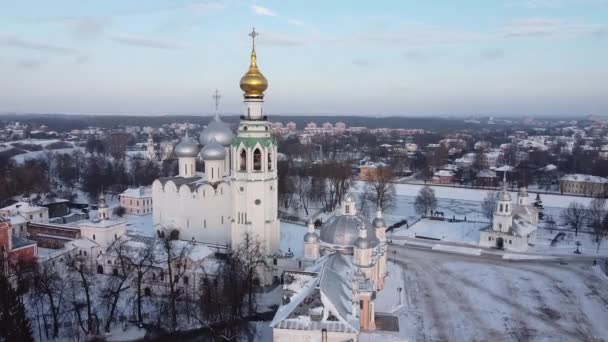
[269, 160]
[500, 208]
[257, 160]
[243, 161]
[506, 207]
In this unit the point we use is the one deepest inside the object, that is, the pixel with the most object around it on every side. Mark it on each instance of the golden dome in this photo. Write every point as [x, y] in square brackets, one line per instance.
[253, 83]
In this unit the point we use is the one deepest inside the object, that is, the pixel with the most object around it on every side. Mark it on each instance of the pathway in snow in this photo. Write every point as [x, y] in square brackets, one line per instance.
[464, 298]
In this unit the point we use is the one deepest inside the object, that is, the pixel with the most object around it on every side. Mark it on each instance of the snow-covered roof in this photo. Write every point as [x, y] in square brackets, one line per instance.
[523, 228]
[141, 192]
[486, 174]
[24, 207]
[444, 173]
[584, 178]
[505, 168]
[319, 300]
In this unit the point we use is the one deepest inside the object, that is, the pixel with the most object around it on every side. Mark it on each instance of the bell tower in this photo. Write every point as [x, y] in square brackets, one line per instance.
[254, 166]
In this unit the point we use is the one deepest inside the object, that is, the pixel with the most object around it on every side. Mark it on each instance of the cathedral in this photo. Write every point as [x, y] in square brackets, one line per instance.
[236, 193]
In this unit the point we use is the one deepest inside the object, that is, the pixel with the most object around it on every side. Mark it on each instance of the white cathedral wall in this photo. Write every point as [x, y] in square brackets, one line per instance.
[204, 213]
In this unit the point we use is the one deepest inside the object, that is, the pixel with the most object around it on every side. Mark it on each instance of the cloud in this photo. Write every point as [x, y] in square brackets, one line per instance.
[548, 27]
[416, 56]
[263, 11]
[88, 27]
[132, 40]
[81, 59]
[295, 22]
[206, 5]
[361, 62]
[16, 42]
[492, 54]
[28, 64]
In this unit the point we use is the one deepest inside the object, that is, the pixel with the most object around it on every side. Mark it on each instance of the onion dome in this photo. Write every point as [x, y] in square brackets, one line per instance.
[213, 151]
[311, 237]
[349, 197]
[504, 196]
[253, 83]
[362, 243]
[187, 148]
[378, 222]
[218, 130]
[101, 202]
[523, 192]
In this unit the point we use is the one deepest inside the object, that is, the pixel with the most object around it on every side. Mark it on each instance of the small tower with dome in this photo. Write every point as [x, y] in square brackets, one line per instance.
[214, 155]
[311, 243]
[186, 152]
[103, 210]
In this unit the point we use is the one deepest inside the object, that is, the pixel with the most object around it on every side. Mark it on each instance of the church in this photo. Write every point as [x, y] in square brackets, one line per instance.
[513, 227]
[333, 299]
[236, 192]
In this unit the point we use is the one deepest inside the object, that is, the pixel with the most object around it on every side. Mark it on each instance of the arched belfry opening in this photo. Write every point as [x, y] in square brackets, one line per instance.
[257, 160]
[243, 160]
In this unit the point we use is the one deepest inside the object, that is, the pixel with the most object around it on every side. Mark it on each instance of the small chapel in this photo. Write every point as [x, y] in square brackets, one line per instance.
[513, 227]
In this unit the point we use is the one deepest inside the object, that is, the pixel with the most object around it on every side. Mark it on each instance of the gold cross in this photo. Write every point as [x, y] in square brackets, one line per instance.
[253, 34]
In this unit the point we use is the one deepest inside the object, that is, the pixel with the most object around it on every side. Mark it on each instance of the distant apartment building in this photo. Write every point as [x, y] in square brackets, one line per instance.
[584, 184]
[370, 171]
[443, 177]
[137, 201]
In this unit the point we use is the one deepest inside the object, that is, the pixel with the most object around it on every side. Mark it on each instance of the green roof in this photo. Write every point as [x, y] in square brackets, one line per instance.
[250, 142]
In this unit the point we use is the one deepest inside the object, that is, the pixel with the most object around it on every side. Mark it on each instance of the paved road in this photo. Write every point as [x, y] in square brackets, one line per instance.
[451, 297]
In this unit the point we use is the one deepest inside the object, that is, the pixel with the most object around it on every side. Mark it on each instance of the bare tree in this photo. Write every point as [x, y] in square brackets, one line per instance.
[141, 261]
[49, 285]
[574, 216]
[601, 232]
[251, 253]
[117, 283]
[488, 206]
[176, 255]
[80, 277]
[380, 189]
[425, 201]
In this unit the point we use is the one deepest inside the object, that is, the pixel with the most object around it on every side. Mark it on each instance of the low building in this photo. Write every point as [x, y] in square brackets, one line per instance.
[14, 249]
[137, 201]
[584, 184]
[443, 177]
[370, 171]
[20, 213]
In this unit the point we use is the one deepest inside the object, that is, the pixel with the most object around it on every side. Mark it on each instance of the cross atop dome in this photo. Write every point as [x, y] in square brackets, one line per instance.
[216, 97]
[253, 34]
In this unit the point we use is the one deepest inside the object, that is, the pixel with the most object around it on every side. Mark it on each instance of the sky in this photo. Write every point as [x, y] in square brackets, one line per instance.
[402, 57]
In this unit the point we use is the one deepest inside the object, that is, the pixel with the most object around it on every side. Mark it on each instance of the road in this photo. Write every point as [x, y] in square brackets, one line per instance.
[451, 297]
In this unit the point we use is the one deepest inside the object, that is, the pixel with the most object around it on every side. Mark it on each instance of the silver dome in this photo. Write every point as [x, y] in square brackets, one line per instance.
[213, 151]
[187, 148]
[219, 130]
[504, 196]
[362, 243]
[311, 237]
[378, 222]
[343, 230]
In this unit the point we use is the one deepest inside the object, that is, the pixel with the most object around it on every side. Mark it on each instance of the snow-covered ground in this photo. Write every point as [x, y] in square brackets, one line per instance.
[466, 232]
[140, 225]
[462, 298]
[292, 238]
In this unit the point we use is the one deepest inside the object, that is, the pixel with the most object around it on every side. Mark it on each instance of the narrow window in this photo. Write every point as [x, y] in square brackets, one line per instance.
[500, 208]
[243, 161]
[269, 160]
[506, 207]
[257, 160]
